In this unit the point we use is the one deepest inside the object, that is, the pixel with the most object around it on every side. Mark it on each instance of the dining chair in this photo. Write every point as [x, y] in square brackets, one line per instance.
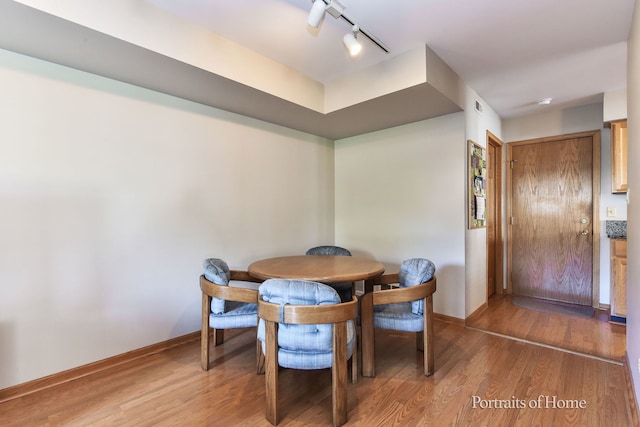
[344, 289]
[229, 300]
[303, 325]
[407, 308]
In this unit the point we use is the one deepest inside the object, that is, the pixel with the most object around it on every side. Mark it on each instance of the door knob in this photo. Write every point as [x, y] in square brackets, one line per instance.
[585, 232]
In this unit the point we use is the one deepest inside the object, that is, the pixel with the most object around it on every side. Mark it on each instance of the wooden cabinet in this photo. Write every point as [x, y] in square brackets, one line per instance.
[619, 156]
[618, 279]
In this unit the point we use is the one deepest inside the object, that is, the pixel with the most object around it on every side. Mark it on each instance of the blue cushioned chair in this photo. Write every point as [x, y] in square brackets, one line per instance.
[407, 308]
[303, 325]
[344, 289]
[229, 300]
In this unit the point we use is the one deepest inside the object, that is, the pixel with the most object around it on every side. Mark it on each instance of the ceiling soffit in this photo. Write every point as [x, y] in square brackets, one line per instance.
[411, 87]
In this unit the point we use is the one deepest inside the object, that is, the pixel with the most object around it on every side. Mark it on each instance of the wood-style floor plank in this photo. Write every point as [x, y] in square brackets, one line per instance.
[595, 336]
[170, 388]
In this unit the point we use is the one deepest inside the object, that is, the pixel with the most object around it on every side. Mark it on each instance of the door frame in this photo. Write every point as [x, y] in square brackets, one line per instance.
[595, 229]
[495, 142]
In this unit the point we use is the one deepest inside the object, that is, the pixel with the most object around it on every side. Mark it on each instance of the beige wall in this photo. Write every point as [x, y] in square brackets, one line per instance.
[615, 105]
[400, 194]
[110, 198]
[553, 121]
[476, 126]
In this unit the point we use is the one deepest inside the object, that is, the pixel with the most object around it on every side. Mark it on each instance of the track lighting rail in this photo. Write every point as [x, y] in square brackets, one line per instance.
[368, 35]
[335, 9]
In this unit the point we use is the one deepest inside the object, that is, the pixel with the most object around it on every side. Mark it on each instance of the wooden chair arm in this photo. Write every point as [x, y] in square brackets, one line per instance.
[384, 281]
[309, 314]
[228, 292]
[244, 276]
[387, 279]
[391, 296]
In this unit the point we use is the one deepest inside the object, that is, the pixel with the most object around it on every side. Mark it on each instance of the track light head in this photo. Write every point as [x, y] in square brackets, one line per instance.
[317, 13]
[351, 42]
[336, 9]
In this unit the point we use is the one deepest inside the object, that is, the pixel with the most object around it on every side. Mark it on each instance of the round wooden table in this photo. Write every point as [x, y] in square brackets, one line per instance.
[317, 268]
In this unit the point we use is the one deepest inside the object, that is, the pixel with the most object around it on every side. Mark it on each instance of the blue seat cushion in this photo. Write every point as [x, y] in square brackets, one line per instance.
[398, 317]
[303, 346]
[237, 315]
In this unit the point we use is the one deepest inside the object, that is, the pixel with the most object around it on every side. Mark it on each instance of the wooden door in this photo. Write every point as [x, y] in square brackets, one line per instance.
[491, 217]
[552, 196]
[493, 213]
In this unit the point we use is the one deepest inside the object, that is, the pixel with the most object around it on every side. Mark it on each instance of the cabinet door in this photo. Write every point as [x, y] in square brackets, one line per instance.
[619, 278]
[619, 156]
[619, 306]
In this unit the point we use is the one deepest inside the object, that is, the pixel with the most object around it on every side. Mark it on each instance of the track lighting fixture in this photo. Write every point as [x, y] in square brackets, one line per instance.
[351, 42]
[335, 9]
[317, 13]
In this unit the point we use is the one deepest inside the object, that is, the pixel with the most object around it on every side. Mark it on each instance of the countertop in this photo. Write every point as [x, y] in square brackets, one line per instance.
[616, 229]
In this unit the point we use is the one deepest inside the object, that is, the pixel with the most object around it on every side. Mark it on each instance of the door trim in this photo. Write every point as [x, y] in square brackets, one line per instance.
[595, 134]
[495, 142]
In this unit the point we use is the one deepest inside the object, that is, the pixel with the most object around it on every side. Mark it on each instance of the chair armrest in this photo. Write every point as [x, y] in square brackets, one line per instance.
[389, 279]
[384, 280]
[413, 293]
[243, 276]
[227, 292]
[309, 314]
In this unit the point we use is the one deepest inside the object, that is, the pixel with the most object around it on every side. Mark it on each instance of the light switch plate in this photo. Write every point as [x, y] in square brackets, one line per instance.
[611, 212]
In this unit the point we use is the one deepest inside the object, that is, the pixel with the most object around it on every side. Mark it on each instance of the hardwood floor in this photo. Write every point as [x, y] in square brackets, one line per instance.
[594, 337]
[480, 380]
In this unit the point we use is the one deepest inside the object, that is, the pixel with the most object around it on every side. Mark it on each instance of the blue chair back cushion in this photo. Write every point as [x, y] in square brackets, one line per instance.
[328, 250]
[217, 271]
[303, 346]
[345, 289]
[413, 272]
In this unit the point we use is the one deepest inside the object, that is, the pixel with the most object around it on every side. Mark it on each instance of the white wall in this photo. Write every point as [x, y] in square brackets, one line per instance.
[553, 121]
[476, 126]
[633, 237]
[615, 105]
[110, 198]
[607, 199]
[559, 121]
[409, 185]
[400, 193]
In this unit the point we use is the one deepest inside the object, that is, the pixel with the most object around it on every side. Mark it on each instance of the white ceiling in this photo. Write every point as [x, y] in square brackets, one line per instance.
[511, 52]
